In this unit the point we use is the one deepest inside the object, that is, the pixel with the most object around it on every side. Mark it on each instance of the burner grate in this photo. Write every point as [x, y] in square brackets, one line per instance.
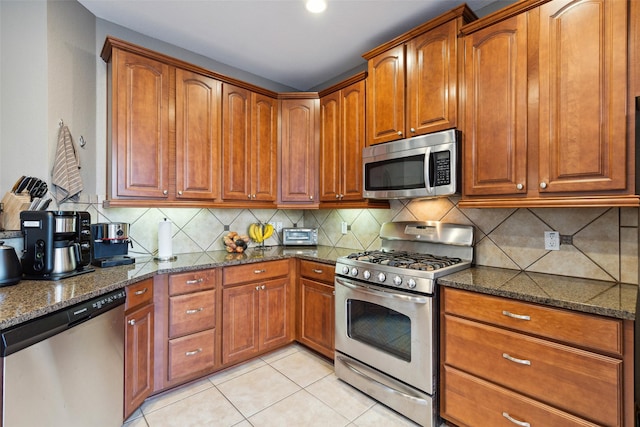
[408, 260]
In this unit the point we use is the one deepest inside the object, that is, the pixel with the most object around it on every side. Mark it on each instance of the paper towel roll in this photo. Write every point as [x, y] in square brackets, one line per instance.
[164, 239]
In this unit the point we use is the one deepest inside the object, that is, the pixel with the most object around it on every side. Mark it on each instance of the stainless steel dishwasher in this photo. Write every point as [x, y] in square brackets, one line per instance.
[66, 368]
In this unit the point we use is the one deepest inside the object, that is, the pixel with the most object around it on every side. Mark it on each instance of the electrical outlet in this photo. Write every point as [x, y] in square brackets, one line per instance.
[552, 240]
[344, 227]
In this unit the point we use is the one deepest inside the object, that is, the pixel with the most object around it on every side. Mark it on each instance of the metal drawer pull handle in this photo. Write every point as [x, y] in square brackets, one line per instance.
[516, 422]
[317, 271]
[191, 353]
[513, 359]
[259, 271]
[132, 322]
[140, 292]
[193, 282]
[516, 316]
[196, 310]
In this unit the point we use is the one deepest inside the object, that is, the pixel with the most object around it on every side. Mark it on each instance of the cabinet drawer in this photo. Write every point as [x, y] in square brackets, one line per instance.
[139, 294]
[256, 271]
[317, 271]
[468, 400]
[191, 354]
[577, 381]
[598, 333]
[193, 281]
[191, 313]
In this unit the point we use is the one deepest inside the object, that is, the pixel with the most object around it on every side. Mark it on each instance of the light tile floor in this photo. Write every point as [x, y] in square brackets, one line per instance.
[289, 387]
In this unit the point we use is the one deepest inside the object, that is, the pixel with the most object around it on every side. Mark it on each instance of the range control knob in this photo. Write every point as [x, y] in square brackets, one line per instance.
[411, 283]
[397, 280]
[381, 277]
[354, 272]
[366, 274]
[345, 270]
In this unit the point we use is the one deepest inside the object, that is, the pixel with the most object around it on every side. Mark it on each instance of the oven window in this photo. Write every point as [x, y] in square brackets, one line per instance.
[404, 173]
[378, 326]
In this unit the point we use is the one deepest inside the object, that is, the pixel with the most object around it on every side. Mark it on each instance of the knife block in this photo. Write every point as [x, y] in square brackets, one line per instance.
[13, 204]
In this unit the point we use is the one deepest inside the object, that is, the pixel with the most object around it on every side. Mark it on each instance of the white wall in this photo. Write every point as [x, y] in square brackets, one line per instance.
[23, 91]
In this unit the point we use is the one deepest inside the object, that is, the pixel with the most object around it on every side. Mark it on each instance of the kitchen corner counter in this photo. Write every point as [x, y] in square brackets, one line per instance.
[617, 300]
[30, 299]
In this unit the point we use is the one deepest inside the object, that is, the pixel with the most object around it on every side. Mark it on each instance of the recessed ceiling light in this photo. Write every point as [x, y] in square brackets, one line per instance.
[316, 6]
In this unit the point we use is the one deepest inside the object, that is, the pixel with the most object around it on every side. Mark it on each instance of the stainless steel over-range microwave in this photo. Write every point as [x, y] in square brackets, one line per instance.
[420, 167]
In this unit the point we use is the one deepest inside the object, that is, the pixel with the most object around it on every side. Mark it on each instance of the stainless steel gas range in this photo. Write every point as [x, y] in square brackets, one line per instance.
[387, 314]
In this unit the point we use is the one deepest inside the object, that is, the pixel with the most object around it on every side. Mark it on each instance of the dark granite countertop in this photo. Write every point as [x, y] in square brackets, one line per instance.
[610, 299]
[33, 298]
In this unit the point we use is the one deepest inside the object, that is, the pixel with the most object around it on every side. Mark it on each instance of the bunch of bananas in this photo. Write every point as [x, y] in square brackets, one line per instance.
[260, 232]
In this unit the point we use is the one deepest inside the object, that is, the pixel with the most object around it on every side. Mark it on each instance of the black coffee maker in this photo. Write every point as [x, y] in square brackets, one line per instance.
[57, 244]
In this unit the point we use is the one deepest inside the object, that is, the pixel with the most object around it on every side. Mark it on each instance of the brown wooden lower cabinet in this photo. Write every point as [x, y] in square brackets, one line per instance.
[139, 343]
[501, 366]
[315, 307]
[257, 315]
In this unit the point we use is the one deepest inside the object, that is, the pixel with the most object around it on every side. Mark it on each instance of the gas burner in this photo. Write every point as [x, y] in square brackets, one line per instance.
[403, 259]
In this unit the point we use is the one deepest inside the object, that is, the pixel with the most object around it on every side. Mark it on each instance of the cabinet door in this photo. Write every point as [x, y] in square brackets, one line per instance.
[239, 323]
[236, 143]
[432, 75]
[317, 316]
[352, 135]
[140, 133]
[138, 360]
[274, 316]
[330, 165]
[197, 136]
[385, 96]
[495, 91]
[264, 148]
[583, 88]
[299, 158]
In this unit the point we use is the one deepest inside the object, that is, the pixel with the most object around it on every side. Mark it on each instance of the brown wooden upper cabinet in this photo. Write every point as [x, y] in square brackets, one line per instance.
[342, 133]
[298, 162]
[249, 145]
[412, 81]
[545, 95]
[164, 128]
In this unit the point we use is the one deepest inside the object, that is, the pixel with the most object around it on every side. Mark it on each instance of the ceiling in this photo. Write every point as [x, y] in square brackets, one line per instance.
[276, 39]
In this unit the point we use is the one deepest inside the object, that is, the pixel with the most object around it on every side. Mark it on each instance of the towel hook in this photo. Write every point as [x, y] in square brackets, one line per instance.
[60, 123]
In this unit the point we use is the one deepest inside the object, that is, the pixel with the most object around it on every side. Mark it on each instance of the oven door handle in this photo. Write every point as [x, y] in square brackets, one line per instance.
[356, 371]
[406, 298]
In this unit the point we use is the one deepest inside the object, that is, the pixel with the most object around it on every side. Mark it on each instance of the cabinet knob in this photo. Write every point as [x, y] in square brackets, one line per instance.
[132, 322]
[399, 133]
[248, 196]
[519, 186]
[543, 185]
[165, 192]
[180, 193]
[310, 197]
[413, 130]
[337, 196]
[254, 196]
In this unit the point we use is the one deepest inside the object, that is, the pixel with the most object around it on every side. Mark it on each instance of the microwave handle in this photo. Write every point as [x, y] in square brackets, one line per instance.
[429, 170]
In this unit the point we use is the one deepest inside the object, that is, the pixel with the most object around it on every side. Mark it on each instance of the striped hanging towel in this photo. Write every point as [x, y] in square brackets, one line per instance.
[65, 176]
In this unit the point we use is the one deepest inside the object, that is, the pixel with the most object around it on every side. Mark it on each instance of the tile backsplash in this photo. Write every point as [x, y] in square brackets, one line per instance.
[604, 240]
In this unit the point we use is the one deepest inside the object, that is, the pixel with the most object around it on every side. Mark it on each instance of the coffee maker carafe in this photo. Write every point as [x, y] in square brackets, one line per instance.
[57, 244]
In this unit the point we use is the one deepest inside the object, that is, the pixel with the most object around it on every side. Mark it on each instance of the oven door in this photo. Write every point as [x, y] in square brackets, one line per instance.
[389, 330]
